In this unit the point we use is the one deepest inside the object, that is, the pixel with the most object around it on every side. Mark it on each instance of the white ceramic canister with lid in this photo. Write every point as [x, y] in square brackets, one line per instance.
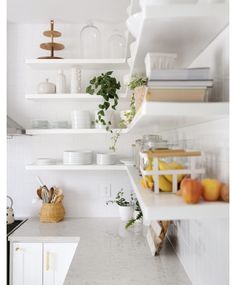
[46, 87]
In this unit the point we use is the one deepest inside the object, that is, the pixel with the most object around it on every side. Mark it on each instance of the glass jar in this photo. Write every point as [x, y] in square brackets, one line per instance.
[153, 142]
[116, 46]
[90, 41]
[138, 147]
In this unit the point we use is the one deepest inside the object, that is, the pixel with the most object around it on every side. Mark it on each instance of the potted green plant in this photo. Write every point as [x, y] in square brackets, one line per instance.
[138, 84]
[106, 86]
[125, 207]
[137, 216]
[137, 81]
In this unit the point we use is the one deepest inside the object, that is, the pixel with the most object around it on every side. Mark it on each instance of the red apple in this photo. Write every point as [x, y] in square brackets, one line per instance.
[191, 190]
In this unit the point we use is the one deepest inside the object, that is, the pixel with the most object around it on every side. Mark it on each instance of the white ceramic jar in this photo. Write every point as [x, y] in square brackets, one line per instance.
[106, 158]
[61, 82]
[46, 87]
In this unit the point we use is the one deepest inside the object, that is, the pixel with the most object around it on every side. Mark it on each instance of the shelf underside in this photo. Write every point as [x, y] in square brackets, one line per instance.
[89, 64]
[160, 116]
[81, 97]
[183, 29]
[70, 167]
[168, 115]
[67, 131]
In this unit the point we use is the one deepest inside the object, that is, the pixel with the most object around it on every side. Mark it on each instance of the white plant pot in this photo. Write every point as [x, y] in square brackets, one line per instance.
[126, 213]
[109, 116]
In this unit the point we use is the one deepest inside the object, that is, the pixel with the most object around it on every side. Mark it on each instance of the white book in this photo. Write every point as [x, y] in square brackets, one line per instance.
[202, 73]
[180, 83]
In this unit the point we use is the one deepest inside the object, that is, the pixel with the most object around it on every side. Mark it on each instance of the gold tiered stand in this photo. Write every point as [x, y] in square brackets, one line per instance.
[52, 46]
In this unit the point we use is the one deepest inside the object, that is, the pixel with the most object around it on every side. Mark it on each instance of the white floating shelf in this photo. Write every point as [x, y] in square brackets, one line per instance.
[105, 64]
[183, 29]
[171, 115]
[65, 167]
[67, 131]
[169, 206]
[81, 97]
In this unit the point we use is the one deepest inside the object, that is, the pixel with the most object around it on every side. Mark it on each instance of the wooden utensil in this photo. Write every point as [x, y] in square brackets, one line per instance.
[50, 194]
[59, 198]
[39, 193]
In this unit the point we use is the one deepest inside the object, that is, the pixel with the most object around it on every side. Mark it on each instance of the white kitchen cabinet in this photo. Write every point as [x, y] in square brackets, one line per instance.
[41, 263]
[27, 264]
[57, 260]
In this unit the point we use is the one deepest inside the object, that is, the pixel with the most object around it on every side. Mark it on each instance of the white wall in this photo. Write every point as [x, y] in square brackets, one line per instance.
[203, 245]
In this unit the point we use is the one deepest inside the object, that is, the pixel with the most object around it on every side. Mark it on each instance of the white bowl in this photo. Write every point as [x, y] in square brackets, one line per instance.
[106, 158]
[45, 161]
[133, 24]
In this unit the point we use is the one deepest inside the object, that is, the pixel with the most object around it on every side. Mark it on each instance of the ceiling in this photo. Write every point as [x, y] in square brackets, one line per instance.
[66, 11]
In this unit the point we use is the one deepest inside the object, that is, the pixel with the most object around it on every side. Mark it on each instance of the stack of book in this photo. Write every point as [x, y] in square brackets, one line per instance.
[182, 85]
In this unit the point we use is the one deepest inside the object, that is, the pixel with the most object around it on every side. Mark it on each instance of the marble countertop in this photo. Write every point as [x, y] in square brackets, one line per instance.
[107, 253]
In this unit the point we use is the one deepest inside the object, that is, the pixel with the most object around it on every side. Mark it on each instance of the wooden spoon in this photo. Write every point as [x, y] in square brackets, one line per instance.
[39, 193]
[59, 198]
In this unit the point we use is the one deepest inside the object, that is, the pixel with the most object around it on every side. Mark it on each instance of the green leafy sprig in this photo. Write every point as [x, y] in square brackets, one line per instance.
[121, 201]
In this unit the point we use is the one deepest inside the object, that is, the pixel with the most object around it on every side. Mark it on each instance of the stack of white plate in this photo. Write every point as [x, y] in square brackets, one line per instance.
[77, 157]
[80, 120]
[45, 161]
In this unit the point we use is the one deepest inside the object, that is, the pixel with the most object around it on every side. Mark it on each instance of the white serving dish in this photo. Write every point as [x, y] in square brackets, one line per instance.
[106, 158]
[109, 116]
[77, 157]
[133, 24]
[159, 61]
[45, 161]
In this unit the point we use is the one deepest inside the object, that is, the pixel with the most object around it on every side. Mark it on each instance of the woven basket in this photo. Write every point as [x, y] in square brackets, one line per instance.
[52, 213]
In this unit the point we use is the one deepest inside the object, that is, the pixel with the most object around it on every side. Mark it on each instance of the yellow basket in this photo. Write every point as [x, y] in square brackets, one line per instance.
[52, 213]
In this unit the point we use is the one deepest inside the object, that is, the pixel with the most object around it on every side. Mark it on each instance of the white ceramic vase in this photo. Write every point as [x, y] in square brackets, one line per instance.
[126, 212]
[61, 82]
[75, 84]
